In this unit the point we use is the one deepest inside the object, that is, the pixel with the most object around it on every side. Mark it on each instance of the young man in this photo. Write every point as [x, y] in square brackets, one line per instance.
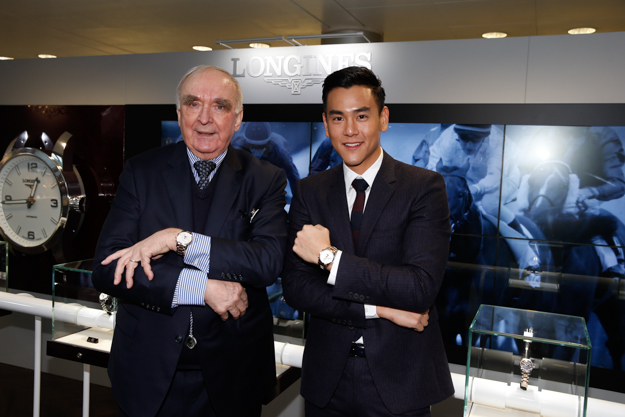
[365, 264]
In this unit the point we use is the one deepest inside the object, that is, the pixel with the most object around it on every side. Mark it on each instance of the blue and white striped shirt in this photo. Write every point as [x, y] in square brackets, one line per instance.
[192, 282]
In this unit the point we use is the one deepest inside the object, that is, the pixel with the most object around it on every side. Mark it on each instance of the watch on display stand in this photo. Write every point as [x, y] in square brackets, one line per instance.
[108, 303]
[526, 364]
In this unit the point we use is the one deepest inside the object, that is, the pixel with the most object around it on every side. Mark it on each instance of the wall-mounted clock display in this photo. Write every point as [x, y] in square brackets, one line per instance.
[40, 197]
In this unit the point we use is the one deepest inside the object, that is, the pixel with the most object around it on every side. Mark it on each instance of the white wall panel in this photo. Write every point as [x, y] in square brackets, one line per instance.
[547, 69]
[462, 71]
[577, 69]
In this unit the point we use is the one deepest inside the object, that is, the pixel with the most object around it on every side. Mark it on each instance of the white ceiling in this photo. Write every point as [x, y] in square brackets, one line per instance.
[111, 27]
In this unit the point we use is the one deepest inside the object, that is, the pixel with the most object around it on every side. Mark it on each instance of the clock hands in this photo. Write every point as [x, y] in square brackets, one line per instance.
[28, 201]
[31, 198]
[33, 187]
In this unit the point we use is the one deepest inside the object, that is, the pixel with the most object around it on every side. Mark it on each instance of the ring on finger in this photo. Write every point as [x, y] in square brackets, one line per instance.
[135, 261]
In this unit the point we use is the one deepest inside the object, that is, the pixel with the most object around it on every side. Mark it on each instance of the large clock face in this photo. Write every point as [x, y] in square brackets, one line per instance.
[34, 199]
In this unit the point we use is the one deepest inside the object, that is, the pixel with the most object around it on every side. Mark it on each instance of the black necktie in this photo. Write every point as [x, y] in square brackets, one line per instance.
[360, 185]
[204, 168]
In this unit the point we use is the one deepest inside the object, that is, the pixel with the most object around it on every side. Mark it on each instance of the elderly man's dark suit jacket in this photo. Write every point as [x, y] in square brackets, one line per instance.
[155, 192]
[400, 262]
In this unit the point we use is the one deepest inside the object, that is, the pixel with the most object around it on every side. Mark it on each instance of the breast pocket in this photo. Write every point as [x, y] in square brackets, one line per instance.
[238, 228]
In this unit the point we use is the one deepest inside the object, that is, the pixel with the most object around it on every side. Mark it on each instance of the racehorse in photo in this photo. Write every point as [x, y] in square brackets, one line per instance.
[479, 268]
[588, 255]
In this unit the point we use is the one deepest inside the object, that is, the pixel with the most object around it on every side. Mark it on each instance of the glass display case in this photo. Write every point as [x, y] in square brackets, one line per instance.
[72, 286]
[71, 283]
[82, 342]
[526, 363]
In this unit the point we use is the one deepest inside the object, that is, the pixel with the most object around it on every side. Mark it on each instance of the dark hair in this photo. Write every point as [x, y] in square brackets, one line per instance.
[351, 76]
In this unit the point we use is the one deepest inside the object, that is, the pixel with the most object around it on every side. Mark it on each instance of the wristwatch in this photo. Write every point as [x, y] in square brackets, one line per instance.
[526, 363]
[326, 257]
[183, 240]
[108, 303]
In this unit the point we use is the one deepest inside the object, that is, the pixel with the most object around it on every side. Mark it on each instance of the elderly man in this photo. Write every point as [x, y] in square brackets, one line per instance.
[197, 231]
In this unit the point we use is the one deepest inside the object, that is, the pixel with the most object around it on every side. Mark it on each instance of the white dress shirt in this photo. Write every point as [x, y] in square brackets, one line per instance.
[349, 176]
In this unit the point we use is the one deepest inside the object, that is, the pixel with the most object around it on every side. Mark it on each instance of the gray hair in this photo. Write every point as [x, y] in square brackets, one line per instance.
[205, 68]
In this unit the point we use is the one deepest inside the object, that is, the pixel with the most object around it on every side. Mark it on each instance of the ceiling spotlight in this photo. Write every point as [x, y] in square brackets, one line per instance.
[494, 35]
[582, 31]
[46, 56]
[5, 58]
[202, 48]
[259, 45]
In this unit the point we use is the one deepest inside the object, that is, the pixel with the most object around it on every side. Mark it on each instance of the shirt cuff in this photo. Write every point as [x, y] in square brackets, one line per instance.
[335, 268]
[198, 253]
[371, 312]
[190, 288]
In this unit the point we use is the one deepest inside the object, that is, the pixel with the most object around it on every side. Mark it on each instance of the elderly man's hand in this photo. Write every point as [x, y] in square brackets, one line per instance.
[409, 319]
[310, 241]
[226, 297]
[141, 253]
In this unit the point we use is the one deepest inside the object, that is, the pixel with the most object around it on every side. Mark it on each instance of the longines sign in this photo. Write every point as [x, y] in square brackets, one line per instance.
[297, 72]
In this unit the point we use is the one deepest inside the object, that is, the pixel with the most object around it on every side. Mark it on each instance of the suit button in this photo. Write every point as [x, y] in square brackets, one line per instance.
[142, 304]
[351, 327]
[333, 320]
[178, 339]
[158, 309]
[355, 296]
[362, 297]
[368, 299]
[229, 275]
[147, 306]
[349, 322]
[223, 275]
[240, 277]
[350, 294]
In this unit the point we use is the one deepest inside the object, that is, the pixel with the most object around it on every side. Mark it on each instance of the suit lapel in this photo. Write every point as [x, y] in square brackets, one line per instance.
[338, 222]
[225, 192]
[381, 192]
[177, 181]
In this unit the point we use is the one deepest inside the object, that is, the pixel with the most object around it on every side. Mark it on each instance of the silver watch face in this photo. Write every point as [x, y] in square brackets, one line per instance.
[326, 256]
[526, 365]
[184, 238]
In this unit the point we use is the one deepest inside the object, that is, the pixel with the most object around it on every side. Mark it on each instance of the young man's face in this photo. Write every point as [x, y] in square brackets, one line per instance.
[207, 116]
[353, 123]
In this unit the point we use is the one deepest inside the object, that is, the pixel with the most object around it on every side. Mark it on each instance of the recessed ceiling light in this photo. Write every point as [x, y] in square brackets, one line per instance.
[46, 56]
[5, 58]
[494, 35]
[582, 31]
[259, 45]
[202, 48]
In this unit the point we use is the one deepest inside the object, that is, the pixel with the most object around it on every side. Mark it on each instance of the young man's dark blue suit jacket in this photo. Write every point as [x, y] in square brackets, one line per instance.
[400, 262]
[155, 193]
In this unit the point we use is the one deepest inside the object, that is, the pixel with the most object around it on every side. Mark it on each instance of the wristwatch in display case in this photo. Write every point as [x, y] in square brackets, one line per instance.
[526, 364]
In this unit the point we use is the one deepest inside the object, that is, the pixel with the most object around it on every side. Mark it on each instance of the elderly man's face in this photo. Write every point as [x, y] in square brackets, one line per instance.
[207, 115]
